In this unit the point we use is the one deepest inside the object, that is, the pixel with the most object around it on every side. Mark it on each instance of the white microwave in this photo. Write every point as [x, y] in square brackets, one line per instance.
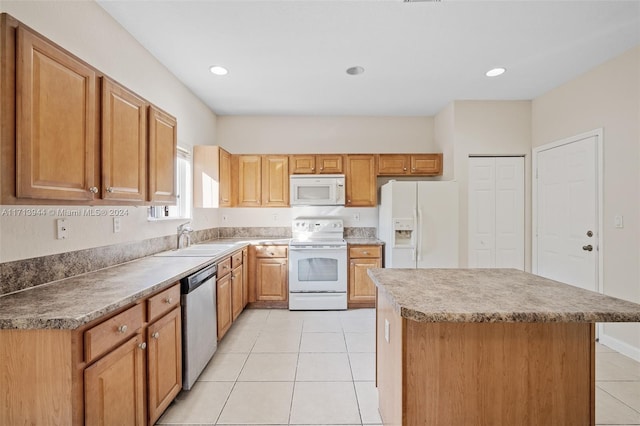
[317, 190]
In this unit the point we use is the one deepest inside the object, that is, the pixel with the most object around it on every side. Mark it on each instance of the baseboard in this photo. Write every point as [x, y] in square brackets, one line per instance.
[620, 346]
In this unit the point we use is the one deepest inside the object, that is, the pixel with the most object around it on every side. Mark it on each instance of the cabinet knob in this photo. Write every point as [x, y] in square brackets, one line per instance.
[365, 252]
[404, 168]
[321, 168]
[143, 345]
[313, 169]
[93, 190]
[168, 300]
[109, 189]
[155, 335]
[123, 328]
[413, 169]
[271, 253]
[348, 201]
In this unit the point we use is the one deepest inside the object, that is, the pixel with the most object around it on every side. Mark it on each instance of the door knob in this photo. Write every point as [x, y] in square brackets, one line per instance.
[587, 248]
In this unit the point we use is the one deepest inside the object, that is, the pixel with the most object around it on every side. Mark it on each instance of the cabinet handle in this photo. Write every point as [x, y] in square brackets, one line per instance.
[168, 300]
[155, 335]
[93, 190]
[109, 189]
[123, 328]
[143, 345]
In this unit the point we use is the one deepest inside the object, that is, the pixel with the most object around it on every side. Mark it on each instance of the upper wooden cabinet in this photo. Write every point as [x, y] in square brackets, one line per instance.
[360, 180]
[163, 144]
[56, 122]
[275, 181]
[311, 164]
[211, 177]
[247, 180]
[70, 135]
[124, 143]
[410, 164]
[260, 180]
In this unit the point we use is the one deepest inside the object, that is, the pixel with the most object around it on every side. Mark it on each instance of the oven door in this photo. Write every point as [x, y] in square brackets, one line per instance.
[317, 269]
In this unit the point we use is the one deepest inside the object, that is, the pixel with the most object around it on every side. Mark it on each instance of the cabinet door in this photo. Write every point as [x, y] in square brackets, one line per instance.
[245, 277]
[426, 164]
[361, 288]
[164, 362]
[163, 144]
[393, 164]
[56, 123]
[224, 179]
[302, 164]
[114, 386]
[329, 164]
[360, 181]
[224, 310]
[236, 292]
[271, 279]
[124, 143]
[275, 181]
[249, 180]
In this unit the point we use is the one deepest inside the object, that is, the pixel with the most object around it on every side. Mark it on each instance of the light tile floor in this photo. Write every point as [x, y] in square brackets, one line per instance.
[281, 367]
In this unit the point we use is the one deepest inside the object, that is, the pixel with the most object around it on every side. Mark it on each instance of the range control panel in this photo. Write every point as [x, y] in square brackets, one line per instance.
[317, 227]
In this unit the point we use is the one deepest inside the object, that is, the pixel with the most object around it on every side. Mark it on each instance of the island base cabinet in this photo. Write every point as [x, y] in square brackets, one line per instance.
[114, 386]
[484, 373]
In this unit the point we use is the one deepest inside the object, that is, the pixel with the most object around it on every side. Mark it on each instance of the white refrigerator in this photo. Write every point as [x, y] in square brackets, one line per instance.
[418, 222]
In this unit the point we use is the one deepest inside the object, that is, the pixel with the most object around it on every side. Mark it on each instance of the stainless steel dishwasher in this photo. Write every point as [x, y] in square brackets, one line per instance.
[199, 327]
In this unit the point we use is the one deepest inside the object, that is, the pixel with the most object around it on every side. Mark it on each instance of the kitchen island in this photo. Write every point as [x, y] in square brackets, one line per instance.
[487, 347]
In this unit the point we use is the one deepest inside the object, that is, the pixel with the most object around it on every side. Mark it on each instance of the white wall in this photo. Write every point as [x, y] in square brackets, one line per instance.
[86, 30]
[444, 135]
[303, 135]
[486, 128]
[609, 97]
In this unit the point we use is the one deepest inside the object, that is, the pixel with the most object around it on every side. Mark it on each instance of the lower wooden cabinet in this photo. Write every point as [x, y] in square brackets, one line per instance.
[362, 291]
[223, 305]
[164, 362]
[269, 276]
[114, 386]
[231, 290]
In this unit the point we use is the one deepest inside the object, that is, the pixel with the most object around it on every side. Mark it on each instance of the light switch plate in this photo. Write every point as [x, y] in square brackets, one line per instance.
[619, 221]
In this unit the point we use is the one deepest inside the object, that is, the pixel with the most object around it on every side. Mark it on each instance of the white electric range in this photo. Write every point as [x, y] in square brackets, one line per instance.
[317, 264]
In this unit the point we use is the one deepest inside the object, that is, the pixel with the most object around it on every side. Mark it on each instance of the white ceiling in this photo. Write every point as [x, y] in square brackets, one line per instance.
[290, 57]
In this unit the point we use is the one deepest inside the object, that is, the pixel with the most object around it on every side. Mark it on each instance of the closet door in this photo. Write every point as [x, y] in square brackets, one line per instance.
[496, 212]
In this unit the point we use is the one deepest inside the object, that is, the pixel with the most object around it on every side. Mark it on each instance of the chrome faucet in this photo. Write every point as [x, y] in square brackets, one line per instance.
[184, 230]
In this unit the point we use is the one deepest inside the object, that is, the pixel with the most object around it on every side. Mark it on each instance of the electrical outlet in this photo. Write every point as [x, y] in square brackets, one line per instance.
[224, 217]
[116, 225]
[356, 217]
[386, 330]
[63, 229]
[275, 217]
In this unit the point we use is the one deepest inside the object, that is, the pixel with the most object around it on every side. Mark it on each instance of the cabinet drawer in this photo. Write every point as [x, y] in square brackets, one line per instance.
[364, 251]
[163, 302]
[236, 260]
[224, 267]
[271, 251]
[104, 336]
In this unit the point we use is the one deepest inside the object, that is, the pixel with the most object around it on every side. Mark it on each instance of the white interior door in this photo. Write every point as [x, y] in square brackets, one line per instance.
[567, 213]
[496, 212]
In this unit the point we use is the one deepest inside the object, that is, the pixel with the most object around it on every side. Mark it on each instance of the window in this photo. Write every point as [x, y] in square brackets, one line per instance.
[182, 209]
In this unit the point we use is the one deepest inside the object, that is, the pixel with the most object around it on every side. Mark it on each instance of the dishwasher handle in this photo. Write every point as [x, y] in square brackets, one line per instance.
[190, 283]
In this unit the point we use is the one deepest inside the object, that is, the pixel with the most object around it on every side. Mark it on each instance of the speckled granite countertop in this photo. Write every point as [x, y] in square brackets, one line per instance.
[495, 295]
[357, 241]
[72, 302]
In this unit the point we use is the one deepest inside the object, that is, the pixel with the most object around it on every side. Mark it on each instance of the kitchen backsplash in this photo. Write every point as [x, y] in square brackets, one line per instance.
[22, 274]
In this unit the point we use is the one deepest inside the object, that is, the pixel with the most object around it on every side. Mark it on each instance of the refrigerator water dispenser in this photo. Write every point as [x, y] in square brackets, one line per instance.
[403, 232]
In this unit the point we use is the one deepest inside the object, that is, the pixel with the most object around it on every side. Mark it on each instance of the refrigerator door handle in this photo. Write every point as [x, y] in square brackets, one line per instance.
[420, 236]
[414, 236]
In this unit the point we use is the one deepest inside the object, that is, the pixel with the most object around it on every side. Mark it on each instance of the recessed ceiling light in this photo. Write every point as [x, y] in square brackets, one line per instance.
[355, 70]
[218, 70]
[495, 72]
